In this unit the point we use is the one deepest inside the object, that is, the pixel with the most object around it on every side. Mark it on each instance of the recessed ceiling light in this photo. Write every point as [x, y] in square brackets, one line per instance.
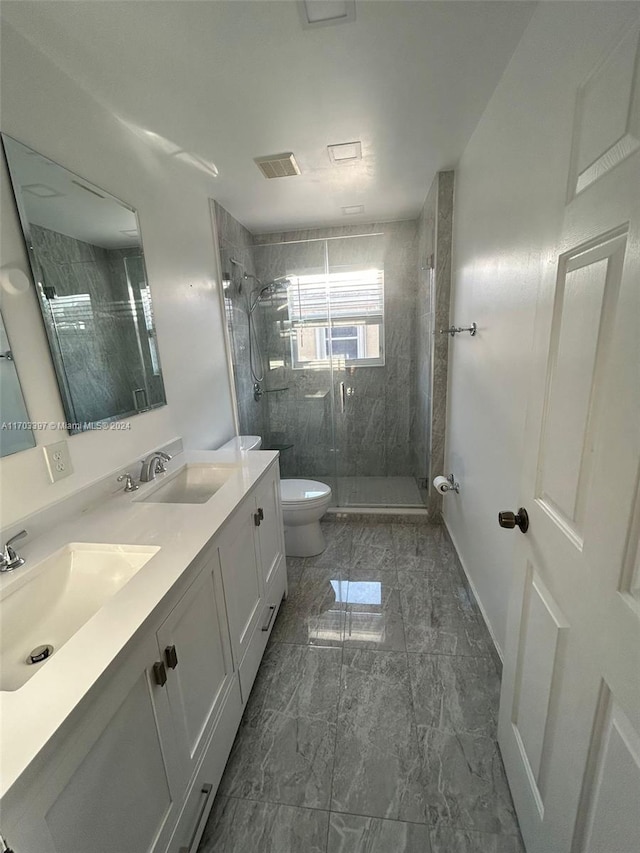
[345, 152]
[320, 13]
[352, 209]
[278, 165]
[130, 232]
[41, 190]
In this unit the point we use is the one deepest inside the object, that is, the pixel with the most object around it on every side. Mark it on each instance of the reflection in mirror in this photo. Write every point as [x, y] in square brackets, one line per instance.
[86, 256]
[14, 435]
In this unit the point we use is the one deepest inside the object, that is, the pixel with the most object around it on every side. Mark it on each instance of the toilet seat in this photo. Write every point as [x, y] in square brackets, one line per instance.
[304, 493]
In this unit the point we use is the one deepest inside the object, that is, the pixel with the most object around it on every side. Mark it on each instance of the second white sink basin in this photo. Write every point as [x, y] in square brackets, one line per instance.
[67, 589]
[191, 484]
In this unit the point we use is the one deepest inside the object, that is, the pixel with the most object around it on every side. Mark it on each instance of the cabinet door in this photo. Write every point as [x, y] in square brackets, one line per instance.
[111, 785]
[270, 531]
[194, 644]
[242, 577]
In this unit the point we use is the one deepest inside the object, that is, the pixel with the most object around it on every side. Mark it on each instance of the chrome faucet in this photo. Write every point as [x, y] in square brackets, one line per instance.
[153, 465]
[9, 559]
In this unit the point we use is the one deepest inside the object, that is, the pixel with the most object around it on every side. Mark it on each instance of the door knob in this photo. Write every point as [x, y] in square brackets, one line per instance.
[514, 519]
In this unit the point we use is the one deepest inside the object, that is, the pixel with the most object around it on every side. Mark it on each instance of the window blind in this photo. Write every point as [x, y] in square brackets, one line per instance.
[345, 297]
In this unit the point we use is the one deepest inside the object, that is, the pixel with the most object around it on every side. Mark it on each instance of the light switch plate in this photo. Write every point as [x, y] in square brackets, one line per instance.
[58, 461]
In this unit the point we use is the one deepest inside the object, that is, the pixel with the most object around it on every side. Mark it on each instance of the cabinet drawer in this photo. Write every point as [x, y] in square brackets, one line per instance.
[255, 650]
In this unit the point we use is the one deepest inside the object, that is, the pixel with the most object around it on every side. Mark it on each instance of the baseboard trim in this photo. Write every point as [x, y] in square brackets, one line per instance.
[496, 651]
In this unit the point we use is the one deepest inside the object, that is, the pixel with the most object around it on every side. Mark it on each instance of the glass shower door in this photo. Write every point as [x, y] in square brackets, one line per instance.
[298, 369]
[355, 280]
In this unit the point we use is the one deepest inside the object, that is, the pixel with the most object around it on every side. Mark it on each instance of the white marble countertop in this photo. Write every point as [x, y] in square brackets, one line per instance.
[31, 715]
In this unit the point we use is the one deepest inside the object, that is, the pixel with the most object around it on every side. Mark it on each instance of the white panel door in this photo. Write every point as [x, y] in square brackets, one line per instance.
[569, 725]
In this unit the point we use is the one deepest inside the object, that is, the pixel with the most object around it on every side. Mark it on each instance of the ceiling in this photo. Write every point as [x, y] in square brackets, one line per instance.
[55, 198]
[223, 81]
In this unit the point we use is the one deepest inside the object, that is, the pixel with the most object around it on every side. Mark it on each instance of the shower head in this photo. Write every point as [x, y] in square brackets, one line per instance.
[275, 285]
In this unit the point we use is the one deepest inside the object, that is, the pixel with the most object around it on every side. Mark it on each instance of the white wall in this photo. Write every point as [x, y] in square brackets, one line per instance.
[510, 190]
[46, 110]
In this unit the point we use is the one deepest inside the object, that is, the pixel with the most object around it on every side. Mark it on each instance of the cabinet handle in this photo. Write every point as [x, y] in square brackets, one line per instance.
[272, 608]
[208, 790]
[261, 513]
[160, 673]
[171, 657]
[256, 519]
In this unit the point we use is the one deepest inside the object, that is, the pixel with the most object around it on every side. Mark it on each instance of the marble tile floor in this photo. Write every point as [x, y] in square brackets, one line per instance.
[371, 727]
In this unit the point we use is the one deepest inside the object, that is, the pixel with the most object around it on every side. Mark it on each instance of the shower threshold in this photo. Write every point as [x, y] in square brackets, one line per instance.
[376, 492]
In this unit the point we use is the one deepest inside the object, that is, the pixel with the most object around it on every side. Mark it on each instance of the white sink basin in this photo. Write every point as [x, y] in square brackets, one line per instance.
[191, 484]
[67, 589]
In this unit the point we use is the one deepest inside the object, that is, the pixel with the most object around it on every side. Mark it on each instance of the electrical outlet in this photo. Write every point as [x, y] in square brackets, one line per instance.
[58, 461]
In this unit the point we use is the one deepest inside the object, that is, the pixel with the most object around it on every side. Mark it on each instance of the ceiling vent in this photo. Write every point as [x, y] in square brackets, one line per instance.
[278, 165]
[345, 152]
[320, 13]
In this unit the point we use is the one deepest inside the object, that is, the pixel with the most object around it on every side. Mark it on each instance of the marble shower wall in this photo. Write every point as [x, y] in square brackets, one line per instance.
[236, 242]
[435, 231]
[102, 365]
[374, 435]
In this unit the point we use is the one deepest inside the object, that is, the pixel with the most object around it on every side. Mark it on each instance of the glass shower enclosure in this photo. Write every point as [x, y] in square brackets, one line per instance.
[332, 391]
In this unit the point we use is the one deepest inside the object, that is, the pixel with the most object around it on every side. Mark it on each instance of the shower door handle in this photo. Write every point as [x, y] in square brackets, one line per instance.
[343, 397]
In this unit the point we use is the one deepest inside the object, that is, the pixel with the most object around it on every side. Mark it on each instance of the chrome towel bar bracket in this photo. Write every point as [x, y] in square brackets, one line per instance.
[454, 330]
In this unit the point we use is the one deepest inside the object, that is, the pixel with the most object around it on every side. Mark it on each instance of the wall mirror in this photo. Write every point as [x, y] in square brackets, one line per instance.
[15, 433]
[87, 261]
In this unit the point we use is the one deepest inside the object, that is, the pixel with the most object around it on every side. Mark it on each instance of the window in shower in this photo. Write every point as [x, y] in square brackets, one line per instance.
[339, 316]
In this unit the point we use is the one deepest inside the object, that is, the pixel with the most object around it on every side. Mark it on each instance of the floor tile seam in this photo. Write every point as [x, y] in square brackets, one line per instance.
[414, 651]
[336, 811]
[304, 645]
[266, 802]
[431, 827]
[411, 696]
[458, 732]
[335, 741]
[449, 655]
[414, 715]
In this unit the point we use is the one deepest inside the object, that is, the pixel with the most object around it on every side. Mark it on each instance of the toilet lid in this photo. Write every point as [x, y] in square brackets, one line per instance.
[295, 491]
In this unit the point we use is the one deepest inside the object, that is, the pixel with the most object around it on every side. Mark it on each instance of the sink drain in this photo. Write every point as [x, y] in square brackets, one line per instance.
[39, 654]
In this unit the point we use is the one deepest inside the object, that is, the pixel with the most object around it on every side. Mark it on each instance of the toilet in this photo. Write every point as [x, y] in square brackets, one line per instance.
[304, 502]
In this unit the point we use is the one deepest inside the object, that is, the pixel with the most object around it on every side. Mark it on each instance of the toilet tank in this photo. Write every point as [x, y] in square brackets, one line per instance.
[243, 442]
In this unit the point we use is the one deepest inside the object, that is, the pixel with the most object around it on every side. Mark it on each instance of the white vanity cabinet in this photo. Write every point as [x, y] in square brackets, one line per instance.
[118, 782]
[136, 767]
[113, 783]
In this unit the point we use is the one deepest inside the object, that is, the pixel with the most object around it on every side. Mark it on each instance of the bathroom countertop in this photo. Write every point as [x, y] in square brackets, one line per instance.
[31, 716]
